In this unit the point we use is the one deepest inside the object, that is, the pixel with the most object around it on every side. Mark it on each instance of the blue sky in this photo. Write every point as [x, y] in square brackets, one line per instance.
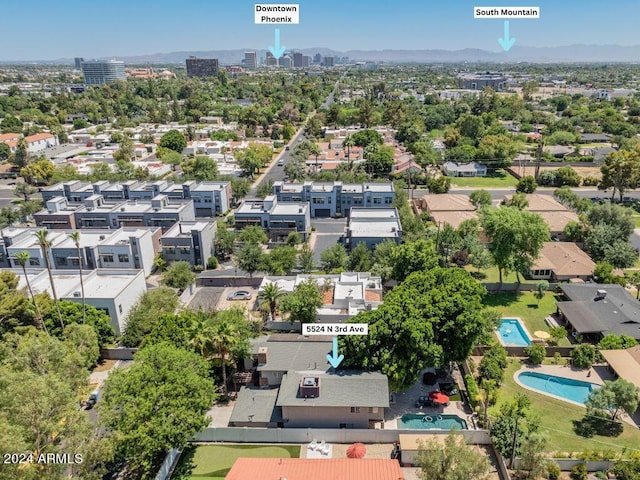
[48, 29]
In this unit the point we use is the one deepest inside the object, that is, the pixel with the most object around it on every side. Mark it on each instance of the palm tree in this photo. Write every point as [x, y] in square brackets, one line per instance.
[201, 334]
[45, 244]
[75, 236]
[224, 338]
[315, 150]
[23, 258]
[271, 295]
[348, 143]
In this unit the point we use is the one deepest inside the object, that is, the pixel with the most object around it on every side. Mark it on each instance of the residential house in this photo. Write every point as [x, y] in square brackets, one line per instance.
[315, 469]
[555, 215]
[561, 262]
[372, 226]
[336, 198]
[624, 363]
[191, 242]
[595, 310]
[471, 169]
[278, 218]
[35, 143]
[448, 208]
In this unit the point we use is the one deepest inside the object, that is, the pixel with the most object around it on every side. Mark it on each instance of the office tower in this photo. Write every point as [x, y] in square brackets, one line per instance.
[285, 61]
[78, 63]
[271, 61]
[202, 67]
[317, 59]
[306, 61]
[250, 60]
[297, 60]
[99, 72]
[328, 61]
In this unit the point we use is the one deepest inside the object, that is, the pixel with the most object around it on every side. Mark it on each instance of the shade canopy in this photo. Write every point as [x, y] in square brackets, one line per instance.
[438, 397]
[542, 334]
[357, 450]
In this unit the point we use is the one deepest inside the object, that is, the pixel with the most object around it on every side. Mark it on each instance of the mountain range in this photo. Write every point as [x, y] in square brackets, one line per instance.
[561, 54]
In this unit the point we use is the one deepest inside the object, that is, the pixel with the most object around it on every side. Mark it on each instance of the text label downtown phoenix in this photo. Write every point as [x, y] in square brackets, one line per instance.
[506, 12]
[277, 13]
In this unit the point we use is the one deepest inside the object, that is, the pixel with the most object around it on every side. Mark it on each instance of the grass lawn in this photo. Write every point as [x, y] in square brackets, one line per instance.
[213, 462]
[497, 179]
[525, 306]
[492, 275]
[556, 420]
[636, 220]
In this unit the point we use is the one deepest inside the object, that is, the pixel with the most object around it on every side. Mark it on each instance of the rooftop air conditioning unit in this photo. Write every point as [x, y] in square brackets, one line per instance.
[77, 294]
[601, 294]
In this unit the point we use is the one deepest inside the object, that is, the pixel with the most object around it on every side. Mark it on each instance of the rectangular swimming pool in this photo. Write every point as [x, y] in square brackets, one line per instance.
[512, 333]
[411, 421]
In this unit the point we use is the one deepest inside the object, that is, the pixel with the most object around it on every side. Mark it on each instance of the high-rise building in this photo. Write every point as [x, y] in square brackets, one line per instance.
[99, 72]
[317, 59]
[297, 60]
[271, 61]
[285, 61]
[250, 60]
[78, 63]
[202, 67]
[328, 61]
[306, 61]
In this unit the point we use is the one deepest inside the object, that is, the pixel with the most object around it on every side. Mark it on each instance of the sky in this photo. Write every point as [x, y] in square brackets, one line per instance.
[48, 29]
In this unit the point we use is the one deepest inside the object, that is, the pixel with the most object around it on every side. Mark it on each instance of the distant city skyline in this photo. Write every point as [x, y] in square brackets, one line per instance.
[45, 30]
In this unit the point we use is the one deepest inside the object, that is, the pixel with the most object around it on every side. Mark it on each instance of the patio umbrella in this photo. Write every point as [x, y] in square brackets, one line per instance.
[542, 334]
[357, 450]
[438, 397]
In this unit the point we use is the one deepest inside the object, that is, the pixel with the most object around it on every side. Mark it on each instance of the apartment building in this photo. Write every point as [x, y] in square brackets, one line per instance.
[191, 242]
[277, 218]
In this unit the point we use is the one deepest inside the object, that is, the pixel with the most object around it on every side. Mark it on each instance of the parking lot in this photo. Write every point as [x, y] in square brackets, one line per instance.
[328, 233]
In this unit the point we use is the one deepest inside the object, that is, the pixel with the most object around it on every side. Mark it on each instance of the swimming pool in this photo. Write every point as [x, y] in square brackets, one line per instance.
[430, 422]
[511, 332]
[566, 388]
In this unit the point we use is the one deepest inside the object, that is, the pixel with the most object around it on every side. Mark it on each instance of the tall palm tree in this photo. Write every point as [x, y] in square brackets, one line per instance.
[348, 143]
[75, 236]
[201, 334]
[23, 258]
[315, 151]
[224, 338]
[45, 244]
[271, 295]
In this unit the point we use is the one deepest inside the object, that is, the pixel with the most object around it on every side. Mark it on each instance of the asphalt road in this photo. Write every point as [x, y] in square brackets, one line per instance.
[6, 192]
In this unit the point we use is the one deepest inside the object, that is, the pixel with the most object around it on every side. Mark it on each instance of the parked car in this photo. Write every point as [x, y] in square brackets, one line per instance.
[287, 148]
[424, 401]
[280, 162]
[93, 399]
[239, 295]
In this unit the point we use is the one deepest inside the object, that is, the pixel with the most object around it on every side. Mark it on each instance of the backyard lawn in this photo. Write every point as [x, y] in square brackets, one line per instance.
[491, 275]
[213, 462]
[556, 420]
[525, 306]
[497, 179]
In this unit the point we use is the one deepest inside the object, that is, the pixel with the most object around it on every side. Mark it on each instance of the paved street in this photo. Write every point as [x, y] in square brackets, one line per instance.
[328, 232]
[6, 192]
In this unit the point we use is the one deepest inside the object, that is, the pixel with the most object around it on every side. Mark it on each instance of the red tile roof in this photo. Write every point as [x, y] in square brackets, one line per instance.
[37, 137]
[315, 469]
[6, 137]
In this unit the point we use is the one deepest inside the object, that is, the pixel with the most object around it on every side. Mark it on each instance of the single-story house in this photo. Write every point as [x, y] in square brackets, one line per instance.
[315, 469]
[595, 310]
[562, 261]
[624, 363]
[342, 399]
[471, 169]
[594, 137]
[451, 208]
[555, 215]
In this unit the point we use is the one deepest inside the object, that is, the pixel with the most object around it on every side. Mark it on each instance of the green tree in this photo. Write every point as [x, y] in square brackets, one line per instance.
[200, 168]
[142, 317]
[265, 188]
[493, 364]
[11, 124]
[453, 460]
[567, 176]
[85, 341]
[177, 394]
[480, 198]
[627, 469]
[179, 275]
[439, 184]
[125, 149]
[293, 239]
[225, 240]
[616, 342]
[174, 140]
[250, 258]
[518, 200]
[620, 254]
[507, 430]
[39, 172]
[302, 304]
[21, 156]
[534, 458]
[412, 257]
[526, 184]
[557, 334]
[23, 258]
[516, 238]
[5, 152]
[280, 260]
[364, 138]
[334, 258]
[24, 190]
[621, 172]
[541, 289]
[271, 294]
[584, 355]
[42, 237]
[253, 158]
[360, 258]
[306, 261]
[499, 149]
[613, 398]
[253, 235]
[536, 354]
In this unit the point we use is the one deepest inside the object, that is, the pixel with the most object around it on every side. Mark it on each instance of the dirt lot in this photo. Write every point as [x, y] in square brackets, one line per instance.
[224, 304]
[582, 171]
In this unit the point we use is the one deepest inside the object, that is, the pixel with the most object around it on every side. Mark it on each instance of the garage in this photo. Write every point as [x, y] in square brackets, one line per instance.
[322, 212]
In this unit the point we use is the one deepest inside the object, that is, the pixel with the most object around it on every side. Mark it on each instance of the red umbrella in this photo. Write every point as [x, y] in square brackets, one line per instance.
[438, 397]
[357, 450]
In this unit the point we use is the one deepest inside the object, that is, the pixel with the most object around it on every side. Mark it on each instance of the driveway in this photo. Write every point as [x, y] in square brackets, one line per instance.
[328, 232]
[206, 298]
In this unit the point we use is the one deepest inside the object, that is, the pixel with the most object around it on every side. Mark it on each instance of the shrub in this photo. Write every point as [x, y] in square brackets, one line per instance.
[590, 181]
[493, 364]
[557, 334]
[472, 389]
[584, 356]
[526, 184]
[536, 353]
[579, 472]
[553, 471]
[212, 263]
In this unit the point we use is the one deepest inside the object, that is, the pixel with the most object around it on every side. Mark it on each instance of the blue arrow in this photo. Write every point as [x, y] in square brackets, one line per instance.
[277, 50]
[335, 359]
[506, 42]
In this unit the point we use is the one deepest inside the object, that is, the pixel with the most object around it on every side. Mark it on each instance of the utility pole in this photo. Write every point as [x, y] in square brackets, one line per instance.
[538, 159]
[515, 441]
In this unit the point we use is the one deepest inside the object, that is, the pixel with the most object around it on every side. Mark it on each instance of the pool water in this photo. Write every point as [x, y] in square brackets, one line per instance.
[569, 389]
[430, 422]
[512, 333]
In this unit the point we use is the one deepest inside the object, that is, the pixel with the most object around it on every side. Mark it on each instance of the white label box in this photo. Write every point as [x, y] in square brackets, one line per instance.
[506, 12]
[277, 13]
[335, 329]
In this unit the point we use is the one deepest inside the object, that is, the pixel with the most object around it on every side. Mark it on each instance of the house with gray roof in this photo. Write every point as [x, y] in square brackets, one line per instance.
[277, 218]
[595, 310]
[471, 169]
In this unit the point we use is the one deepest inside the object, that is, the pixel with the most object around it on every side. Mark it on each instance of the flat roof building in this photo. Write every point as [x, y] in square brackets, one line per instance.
[192, 242]
[372, 226]
[202, 67]
[100, 72]
[277, 218]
